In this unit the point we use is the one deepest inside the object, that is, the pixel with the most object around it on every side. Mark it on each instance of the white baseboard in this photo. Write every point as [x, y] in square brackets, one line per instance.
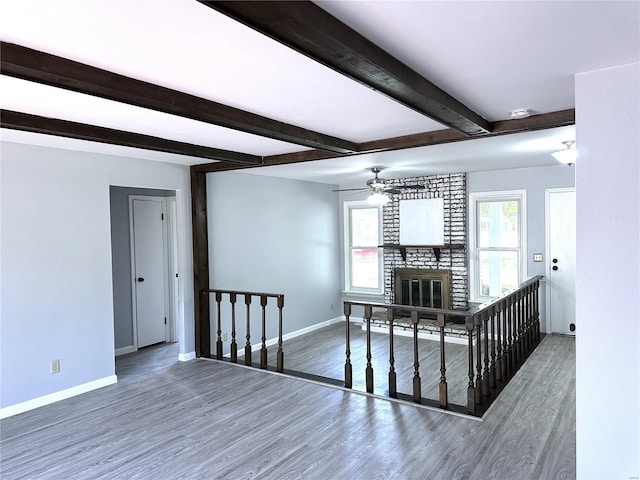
[125, 350]
[185, 357]
[56, 396]
[303, 331]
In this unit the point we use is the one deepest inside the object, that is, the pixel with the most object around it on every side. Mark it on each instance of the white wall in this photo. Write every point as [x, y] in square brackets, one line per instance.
[275, 235]
[608, 266]
[535, 180]
[56, 298]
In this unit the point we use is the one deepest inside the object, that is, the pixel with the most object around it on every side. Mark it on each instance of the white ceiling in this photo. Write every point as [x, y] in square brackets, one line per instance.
[492, 56]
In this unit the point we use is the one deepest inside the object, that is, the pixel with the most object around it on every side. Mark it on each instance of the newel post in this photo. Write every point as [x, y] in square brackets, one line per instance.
[280, 354]
[200, 263]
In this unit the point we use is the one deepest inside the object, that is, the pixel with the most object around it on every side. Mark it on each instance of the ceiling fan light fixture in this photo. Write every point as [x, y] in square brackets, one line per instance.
[376, 183]
[568, 155]
[378, 198]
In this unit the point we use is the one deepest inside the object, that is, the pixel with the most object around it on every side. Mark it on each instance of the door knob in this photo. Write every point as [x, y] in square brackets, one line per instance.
[140, 279]
[554, 268]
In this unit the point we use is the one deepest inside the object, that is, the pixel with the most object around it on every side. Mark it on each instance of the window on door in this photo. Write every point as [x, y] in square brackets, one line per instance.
[363, 256]
[496, 242]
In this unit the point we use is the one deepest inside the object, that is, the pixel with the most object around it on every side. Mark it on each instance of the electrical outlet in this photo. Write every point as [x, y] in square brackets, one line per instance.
[224, 337]
[54, 366]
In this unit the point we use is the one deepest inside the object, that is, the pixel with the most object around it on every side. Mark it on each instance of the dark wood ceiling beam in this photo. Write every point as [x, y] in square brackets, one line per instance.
[422, 139]
[310, 30]
[33, 65]
[507, 127]
[438, 137]
[282, 159]
[544, 121]
[214, 167]
[80, 131]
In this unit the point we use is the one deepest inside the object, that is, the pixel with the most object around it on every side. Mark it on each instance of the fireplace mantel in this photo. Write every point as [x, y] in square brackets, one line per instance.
[436, 248]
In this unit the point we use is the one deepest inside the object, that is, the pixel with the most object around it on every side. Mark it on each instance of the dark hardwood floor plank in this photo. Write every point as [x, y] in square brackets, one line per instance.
[166, 419]
[322, 353]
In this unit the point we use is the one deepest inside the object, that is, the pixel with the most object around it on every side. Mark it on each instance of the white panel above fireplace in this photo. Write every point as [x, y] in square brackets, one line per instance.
[422, 221]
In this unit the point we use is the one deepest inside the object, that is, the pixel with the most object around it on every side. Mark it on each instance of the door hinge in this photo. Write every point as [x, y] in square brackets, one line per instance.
[162, 216]
[165, 320]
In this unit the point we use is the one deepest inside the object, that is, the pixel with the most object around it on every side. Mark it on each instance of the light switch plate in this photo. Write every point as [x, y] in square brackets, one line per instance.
[537, 257]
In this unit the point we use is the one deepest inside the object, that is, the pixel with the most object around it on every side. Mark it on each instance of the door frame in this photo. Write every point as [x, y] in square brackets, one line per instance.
[547, 240]
[173, 274]
[167, 246]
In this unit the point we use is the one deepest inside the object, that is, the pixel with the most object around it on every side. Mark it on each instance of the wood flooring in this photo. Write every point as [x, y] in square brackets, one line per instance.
[201, 419]
[322, 353]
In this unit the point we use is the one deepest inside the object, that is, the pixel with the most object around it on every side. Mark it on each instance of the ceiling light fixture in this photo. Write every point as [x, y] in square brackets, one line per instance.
[378, 197]
[567, 156]
[519, 113]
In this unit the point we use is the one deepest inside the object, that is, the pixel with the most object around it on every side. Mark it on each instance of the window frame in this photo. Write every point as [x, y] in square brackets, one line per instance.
[349, 206]
[474, 250]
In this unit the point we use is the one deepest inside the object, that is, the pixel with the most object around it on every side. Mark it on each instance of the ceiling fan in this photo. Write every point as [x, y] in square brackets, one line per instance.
[380, 189]
[380, 185]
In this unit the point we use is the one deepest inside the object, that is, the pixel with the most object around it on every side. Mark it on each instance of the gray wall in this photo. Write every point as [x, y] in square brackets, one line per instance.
[121, 260]
[56, 300]
[275, 235]
[535, 181]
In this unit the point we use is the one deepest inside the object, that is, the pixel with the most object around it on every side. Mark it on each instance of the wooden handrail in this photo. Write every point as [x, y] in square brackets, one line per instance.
[501, 334]
[243, 292]
[233, 348]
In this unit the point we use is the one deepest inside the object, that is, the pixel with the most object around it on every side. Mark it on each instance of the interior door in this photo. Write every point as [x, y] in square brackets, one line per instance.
[561, 260]
[149, 270]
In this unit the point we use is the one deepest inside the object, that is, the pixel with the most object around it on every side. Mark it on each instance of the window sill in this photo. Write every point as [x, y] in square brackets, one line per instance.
[352, 293]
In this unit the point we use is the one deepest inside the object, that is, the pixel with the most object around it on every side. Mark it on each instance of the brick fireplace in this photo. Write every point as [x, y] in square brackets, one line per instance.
[427, 260]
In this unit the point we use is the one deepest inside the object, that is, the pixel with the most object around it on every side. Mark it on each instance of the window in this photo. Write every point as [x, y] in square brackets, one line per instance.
[496, 242]
[363, 257]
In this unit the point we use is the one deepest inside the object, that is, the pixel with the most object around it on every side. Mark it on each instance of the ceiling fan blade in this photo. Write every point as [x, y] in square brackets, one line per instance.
[351, 189]
[401, 188]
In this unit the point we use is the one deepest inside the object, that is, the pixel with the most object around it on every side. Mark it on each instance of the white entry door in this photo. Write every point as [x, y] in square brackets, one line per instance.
[561, 260]
[149, 268]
